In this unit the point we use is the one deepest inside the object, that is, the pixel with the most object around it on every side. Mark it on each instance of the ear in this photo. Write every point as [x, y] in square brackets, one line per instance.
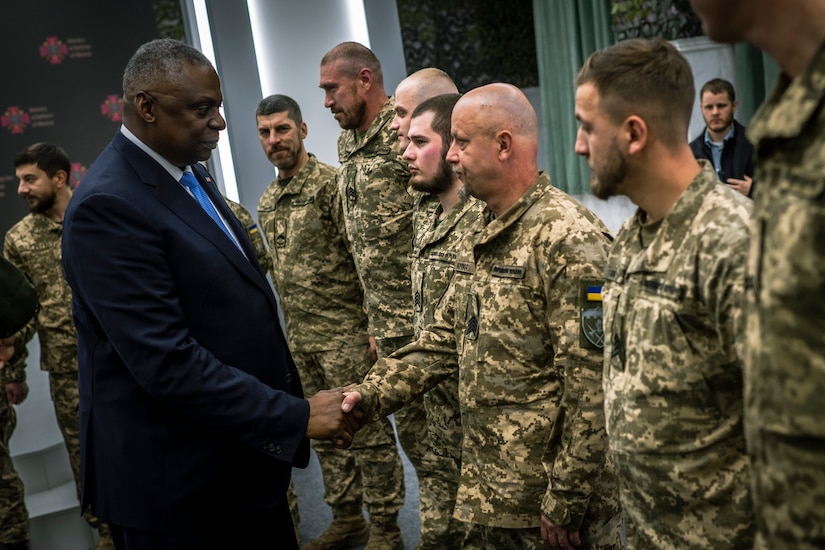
[364, 78]
[145, 107]
[636, 133]
[304, 130]
[734, 105]
[61, 178]
[504, 142]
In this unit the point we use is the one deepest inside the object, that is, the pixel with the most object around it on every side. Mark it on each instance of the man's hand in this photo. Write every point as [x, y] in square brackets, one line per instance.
[327, 420]
[557, 537]
[743, 186]
[16, 392]
[6, 350]
[350, 404]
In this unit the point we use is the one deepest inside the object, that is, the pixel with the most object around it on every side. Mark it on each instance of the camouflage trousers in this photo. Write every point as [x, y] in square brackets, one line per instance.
[14, 518]
[429, 430]
[484, 537]
[66, 400]
[370, 472]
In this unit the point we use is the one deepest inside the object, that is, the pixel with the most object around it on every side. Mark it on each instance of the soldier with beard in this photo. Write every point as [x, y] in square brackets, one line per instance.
[33, 246]
[313, 271]
[439, 231]
[674, 305]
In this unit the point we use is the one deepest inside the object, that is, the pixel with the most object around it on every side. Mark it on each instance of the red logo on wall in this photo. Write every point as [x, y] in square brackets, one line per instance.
[113, 108]
[15, 119]
[54, 50]
[78, 173]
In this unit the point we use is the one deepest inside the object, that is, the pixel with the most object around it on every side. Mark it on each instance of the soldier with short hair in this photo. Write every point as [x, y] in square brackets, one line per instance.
[314, 274]
[378, 206]
[33, 245]
[674, 298]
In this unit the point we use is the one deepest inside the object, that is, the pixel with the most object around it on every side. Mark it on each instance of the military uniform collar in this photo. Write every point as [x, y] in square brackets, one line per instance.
[659, 255]
[791, 104]
[44, 222]
[296, 184]
[538, 188]
[350, 140]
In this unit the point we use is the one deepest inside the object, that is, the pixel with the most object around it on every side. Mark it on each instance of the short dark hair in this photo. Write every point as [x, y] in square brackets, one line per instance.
[717, 86]
[442, 108]
[648, 77]
[48, 157]
[278, 103]
[356, 57]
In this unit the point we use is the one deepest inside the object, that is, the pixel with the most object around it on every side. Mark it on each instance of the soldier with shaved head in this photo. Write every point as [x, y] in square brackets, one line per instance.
[517, 325]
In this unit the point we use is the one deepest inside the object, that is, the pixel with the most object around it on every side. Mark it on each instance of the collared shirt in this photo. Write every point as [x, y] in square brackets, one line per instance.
[176, 173]
[716, 148]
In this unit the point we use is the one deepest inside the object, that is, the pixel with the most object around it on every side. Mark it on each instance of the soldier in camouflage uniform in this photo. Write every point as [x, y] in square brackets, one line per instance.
[378, 206]
[252, 231]
[674, 305]
[302, 219]
[33, 245]
[534, 467]
[439, 452]
[439, 232]
[18, 304]
[785, 362]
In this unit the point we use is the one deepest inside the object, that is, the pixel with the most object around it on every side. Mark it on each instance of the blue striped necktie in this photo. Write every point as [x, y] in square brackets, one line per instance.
[191, 182]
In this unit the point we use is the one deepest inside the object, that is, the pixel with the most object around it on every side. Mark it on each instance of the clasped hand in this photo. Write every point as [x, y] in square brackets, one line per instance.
[327, 420]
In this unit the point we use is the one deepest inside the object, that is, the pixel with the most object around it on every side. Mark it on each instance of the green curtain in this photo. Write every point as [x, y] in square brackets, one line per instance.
[566, 34]
[756, 75]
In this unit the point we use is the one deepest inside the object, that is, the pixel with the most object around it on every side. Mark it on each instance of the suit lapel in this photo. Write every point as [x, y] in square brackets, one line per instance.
[172, 195]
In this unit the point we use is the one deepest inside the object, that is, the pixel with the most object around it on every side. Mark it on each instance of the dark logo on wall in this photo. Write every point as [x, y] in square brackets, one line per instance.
[15, 119]
[112, 108]
[54, 50]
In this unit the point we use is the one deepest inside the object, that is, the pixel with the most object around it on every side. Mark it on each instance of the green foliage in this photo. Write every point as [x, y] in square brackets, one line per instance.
[474, 41]
[668, 19]
[169, 20]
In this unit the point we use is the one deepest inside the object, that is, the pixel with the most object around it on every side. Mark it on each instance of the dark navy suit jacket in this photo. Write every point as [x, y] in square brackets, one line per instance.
[190, 403]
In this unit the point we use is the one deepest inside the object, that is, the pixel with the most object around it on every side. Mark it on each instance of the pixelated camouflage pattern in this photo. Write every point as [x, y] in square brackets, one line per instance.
[370, 471]
[434, 252]
[482, 537]
[785, 365]
[531, 397]
[14, 517]
[372, 180]
[674, 327]
[33, 246]
[253, 232]
[326, 326]
[312, 268]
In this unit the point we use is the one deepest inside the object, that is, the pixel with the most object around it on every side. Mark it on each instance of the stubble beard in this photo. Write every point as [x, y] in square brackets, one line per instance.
[610, 177]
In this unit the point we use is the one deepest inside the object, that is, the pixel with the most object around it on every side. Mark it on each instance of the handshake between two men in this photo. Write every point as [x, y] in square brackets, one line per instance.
[334, 416]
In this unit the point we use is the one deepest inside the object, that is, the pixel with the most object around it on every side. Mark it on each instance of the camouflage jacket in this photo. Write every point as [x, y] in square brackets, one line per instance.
[674, 325]
[378, 211]
[530, 391]
[252, 231]
[434, 252]
[33, 245]
[312, 267]
[785, 365]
